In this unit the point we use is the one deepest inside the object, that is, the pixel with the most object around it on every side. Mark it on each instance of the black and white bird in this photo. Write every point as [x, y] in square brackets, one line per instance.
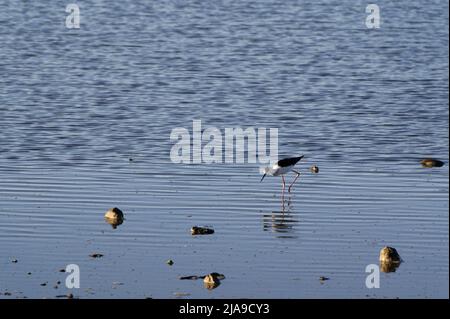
[282, 167]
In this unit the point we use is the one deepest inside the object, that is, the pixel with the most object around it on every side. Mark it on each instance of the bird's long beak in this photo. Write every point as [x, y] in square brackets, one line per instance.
[262, 178]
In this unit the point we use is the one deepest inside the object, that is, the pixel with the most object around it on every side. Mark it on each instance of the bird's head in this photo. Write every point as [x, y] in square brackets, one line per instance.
[264, 171]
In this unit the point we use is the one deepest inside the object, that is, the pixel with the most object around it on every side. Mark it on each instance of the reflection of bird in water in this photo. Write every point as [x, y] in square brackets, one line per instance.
[279, 222]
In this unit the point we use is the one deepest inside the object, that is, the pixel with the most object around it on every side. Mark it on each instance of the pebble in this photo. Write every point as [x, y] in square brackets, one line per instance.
[196, 230]
[314, 169]
[389, 255]
[431, 162]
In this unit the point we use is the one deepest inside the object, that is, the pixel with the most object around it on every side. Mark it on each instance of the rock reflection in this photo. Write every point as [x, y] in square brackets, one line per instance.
[211, 285]
[114, 222]
[389, 266]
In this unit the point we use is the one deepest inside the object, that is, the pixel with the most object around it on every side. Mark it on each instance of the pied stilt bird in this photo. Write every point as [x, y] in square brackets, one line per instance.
[282, 167]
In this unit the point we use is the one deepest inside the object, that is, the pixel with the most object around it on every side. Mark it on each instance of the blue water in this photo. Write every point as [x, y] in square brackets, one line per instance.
[365, 105]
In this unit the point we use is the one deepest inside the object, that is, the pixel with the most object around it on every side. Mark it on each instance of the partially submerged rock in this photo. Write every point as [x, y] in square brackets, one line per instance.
[314, 169]
[389, 255]
[212, 280]
[215, 275]
[431, 162]
[196, 230]
[389, 259]
[114, 217]
[169, 262]
[96, 255]
[114, 213]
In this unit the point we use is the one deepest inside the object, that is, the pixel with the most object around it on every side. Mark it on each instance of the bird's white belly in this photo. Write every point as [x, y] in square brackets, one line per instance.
[277, 170]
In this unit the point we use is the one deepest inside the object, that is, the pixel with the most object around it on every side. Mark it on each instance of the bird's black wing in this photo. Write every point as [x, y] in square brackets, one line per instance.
[289, 161]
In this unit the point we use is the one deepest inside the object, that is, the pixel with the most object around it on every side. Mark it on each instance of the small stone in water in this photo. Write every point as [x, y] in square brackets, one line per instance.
[114, 213]
[389, 255]
[212, 280]
[196, 230]
[431, 162]
[114, 217]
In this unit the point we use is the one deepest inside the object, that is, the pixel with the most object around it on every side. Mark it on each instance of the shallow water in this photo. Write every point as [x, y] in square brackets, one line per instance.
[364, 105]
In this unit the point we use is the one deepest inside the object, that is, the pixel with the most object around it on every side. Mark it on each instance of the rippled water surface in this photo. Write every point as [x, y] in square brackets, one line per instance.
[364, 105]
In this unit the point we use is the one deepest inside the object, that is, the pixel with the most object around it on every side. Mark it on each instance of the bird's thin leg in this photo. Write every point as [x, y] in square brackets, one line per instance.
[295, 179]
[282, 191]
[284, 182]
